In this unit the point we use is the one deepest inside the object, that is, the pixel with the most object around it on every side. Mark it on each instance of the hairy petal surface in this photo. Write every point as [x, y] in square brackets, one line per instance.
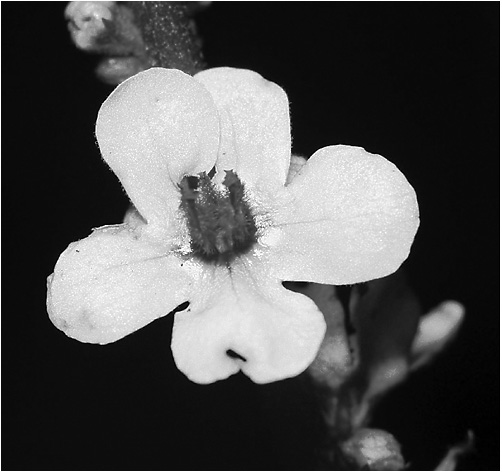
[111, 283]
[154, 128]
[276, 331]
[352, 216]
[255, 132]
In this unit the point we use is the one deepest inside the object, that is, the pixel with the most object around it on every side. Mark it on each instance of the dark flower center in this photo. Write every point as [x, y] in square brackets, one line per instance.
[221, 224]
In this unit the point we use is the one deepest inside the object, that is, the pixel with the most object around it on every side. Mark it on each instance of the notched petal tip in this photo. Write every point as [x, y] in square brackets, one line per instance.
[276, 331]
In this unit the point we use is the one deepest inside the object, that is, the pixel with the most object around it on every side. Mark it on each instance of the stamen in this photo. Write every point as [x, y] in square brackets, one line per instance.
[221, 223]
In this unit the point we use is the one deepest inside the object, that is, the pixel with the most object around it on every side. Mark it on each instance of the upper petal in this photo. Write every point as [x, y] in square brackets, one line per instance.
[276, 331]
[255, 131]
[352, 217]
[154, 128]
[111, 283]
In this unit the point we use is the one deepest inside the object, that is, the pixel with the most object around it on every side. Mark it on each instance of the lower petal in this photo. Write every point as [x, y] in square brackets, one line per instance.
[352, 217]
[239, 321]
[112, 283]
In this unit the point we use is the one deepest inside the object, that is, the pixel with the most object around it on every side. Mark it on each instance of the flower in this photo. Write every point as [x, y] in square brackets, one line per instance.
[204, 160]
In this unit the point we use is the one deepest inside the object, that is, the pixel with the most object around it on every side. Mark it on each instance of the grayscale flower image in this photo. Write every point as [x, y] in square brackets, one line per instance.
[250, 236]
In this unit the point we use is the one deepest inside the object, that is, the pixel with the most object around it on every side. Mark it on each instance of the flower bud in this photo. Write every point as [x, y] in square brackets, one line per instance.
[374, 449]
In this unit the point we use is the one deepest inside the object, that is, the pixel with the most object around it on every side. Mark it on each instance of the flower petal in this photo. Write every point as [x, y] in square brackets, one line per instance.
[352, 217]
[276, 331]
[255, 133]
[295, 166]
[112, 283]
[154, 128]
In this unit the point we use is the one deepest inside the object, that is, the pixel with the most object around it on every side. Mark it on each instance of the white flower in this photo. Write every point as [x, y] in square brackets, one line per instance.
[346, 217]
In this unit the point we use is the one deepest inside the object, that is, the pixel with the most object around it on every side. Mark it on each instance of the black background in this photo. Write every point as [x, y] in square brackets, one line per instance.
[415, 82]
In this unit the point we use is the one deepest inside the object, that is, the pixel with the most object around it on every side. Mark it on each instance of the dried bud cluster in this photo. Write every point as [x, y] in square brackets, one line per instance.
[134, 36]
